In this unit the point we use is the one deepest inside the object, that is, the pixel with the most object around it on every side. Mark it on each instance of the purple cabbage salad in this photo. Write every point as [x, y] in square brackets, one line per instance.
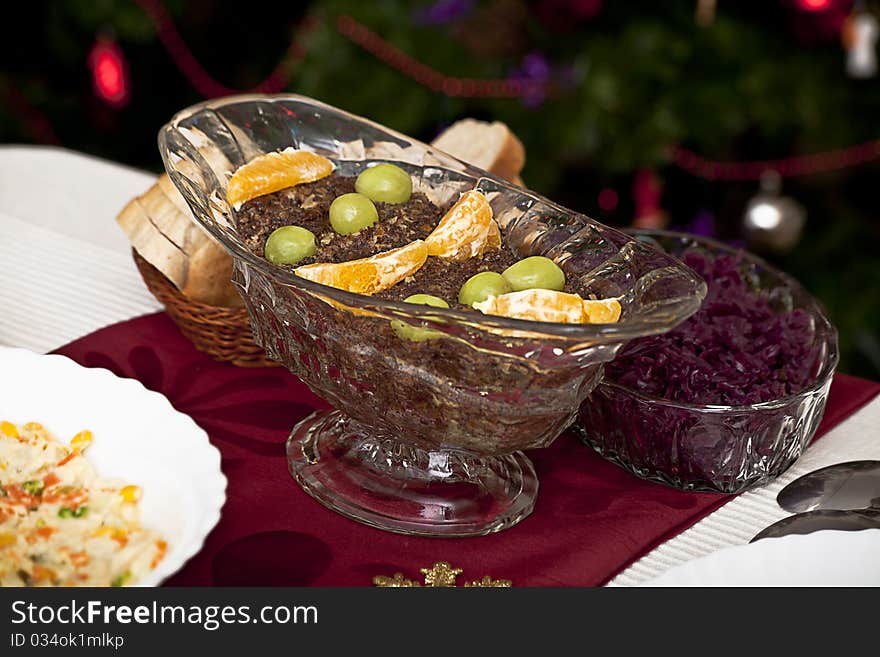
[736, 350]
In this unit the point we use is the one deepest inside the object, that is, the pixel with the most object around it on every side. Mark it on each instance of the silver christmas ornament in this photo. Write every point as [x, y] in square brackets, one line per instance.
[773, 222]
[862, 33]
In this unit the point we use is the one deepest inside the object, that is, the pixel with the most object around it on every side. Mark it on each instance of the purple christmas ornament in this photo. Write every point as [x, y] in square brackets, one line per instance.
[534, 72]
[443, 12]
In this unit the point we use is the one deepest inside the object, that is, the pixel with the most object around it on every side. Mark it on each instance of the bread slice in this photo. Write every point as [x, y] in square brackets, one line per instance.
[161, 228]
[490, 146]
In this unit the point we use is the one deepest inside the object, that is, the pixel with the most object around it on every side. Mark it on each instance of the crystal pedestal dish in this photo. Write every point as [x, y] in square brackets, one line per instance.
[425, 437]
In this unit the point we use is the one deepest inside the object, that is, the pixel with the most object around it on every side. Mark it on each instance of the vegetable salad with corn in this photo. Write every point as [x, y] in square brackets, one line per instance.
[61, 524]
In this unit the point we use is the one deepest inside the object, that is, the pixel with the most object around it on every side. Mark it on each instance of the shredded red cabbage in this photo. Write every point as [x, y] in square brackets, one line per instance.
[735, 350]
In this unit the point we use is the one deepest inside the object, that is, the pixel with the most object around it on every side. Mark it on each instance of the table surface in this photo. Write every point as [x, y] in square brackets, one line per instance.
[68, 271]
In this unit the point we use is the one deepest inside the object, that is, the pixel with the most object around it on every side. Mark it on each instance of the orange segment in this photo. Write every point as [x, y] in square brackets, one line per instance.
[602, 311]
[270, 172]
[537, 305]
[466, 230]
[369, 275]
[493, 237]
[551, 306]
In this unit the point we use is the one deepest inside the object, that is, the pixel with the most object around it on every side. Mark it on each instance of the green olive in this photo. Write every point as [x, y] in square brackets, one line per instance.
[408, 331]
[427, 300]
[352, 212]
[480, 287]
[289, 244]
[536, 272]
[385, 183]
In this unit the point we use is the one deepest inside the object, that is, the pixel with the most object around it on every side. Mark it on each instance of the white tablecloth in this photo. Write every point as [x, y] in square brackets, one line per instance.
[67, 267]
[67, 271]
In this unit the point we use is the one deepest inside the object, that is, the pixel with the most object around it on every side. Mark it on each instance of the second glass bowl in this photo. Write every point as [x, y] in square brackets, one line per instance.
[715, 448]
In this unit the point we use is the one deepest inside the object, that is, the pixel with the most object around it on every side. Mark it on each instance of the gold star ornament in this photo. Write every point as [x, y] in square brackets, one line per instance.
[441, 574]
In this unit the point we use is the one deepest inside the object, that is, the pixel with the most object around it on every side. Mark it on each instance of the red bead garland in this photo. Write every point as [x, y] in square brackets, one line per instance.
[206, 85]
[799, 165]
[361, 35]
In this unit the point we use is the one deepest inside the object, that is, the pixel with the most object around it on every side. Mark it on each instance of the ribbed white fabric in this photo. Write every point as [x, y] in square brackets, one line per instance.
[65, 266]
[69, 193]
[55, 288]
[854, 439]
[66, 270]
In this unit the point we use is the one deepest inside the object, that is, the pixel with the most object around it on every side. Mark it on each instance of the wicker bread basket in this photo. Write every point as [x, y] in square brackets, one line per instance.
[223, 333]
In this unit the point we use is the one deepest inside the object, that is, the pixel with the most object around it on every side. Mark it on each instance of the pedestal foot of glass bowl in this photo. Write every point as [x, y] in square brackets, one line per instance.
[387, 483]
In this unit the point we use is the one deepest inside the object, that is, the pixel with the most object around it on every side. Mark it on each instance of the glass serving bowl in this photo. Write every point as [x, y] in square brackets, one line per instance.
[425, 437]
[715, 448]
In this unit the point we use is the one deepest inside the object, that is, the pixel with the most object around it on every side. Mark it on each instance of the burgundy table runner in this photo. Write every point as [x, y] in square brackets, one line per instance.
[591, 521]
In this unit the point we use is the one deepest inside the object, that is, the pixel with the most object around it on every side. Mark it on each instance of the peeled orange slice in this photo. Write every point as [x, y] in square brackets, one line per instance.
[466, 230]
[270, 172]
[369, 275]
[602, 311]
[551, 306]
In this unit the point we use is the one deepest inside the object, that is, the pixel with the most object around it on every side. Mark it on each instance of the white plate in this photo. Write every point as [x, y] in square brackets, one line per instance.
[823, 558]
[138, 437]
